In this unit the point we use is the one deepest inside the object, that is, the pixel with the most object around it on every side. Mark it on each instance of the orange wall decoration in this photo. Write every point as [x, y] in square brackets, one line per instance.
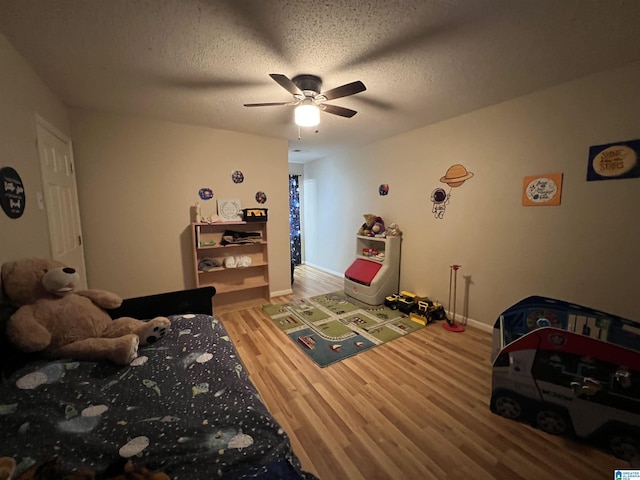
[542, 190]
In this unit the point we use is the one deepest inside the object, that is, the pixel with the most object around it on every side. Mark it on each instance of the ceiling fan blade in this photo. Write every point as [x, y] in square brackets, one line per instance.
[272, 104]
[345, 90]
[334, 109]
[286, 83]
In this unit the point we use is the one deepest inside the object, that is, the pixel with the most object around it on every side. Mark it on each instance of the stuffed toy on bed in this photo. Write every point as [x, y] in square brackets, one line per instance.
[60, 322]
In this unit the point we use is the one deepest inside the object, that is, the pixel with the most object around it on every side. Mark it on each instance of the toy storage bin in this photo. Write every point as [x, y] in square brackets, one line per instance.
[375, 273]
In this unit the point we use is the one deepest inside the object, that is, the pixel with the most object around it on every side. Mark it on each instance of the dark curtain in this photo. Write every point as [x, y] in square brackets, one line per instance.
[294, 219]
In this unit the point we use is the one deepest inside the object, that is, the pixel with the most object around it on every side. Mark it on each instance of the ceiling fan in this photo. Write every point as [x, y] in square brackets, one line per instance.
[309, 99]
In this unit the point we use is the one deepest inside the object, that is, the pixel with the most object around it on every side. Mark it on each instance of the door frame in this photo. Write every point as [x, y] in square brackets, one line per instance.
[53, 130]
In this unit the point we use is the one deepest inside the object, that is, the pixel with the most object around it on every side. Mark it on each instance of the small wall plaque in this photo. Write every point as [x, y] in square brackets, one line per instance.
[229, 210]
[12, 196]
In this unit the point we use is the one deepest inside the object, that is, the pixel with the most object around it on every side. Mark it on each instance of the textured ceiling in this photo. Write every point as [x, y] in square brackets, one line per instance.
[199, 61]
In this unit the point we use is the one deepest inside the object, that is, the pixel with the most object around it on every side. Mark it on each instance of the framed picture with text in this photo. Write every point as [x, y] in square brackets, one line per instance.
[542, 190]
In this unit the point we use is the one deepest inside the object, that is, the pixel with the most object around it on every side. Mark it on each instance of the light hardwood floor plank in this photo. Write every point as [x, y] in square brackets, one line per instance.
[415, 408]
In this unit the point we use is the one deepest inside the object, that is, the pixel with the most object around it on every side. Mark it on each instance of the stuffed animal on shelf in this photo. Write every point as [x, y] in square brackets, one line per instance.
[372, 224]
[60, 322]
[365, 228]
[393, 230]
[378, 229]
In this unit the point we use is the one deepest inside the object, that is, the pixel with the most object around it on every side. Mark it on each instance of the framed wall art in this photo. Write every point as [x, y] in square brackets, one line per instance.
[614, 160]
[542, 190]
[229, 210]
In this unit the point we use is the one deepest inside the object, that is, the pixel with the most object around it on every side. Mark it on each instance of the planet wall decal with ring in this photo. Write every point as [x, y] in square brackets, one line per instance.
[455, 176]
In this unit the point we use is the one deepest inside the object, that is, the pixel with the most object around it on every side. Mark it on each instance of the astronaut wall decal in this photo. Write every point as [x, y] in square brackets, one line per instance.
[455, 176]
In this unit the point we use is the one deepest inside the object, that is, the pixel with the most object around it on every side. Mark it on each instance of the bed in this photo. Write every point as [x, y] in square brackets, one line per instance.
[185, 406]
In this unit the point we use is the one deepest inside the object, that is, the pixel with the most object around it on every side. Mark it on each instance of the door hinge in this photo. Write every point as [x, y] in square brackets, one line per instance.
[79, 240]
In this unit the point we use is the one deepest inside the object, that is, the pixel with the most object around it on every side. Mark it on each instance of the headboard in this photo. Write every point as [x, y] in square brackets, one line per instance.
[197, 300]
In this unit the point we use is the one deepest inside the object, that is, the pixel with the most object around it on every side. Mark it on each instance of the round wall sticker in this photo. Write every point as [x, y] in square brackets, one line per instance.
[205, 193]
[237, 176]
[12, 196]
[261, 197]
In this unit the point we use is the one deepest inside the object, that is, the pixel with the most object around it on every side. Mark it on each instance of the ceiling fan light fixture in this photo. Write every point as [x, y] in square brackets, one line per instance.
[307, 115]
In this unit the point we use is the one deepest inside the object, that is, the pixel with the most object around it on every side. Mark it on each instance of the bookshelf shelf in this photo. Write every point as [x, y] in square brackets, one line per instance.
[234, 286]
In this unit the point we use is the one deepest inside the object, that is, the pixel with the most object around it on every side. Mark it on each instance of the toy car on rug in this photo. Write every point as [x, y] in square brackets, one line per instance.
[426, 311]
[569, 369]
[404, 301]
[420, 309]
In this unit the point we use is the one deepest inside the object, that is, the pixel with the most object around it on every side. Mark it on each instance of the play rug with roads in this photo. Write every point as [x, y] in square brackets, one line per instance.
[333, 326]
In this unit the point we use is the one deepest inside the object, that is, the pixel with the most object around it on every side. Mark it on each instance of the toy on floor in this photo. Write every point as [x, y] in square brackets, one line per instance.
[569, 369]
[404, 301]
[421, 310]
[426, 311]
[451, 324]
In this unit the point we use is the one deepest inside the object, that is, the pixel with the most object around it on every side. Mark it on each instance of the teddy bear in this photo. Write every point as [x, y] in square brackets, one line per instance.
[365, 228]
[7, 467]
[60, 322]
[393, 230]
[378, 229]
[372, 226]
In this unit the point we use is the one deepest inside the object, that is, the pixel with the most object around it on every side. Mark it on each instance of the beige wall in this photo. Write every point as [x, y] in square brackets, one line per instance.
[585, 250]
[138, 179]
[23, 95]
[137, 182]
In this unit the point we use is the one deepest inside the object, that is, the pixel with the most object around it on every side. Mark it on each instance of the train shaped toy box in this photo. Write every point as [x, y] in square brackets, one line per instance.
[571, 370]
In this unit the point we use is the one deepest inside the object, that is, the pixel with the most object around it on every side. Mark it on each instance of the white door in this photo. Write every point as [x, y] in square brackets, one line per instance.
[310, 237]
[61, 198]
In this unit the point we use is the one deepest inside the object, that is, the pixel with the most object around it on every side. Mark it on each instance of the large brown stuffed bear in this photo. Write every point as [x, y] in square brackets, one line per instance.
[59, 322]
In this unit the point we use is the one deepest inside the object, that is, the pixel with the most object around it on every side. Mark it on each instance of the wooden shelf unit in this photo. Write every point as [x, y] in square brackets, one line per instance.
[235, 287]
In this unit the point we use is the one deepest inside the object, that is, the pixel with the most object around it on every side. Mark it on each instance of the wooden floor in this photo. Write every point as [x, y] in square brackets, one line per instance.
[415, 408]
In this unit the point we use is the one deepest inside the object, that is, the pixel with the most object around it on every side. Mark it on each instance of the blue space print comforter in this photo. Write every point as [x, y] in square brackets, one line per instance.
[185, 406]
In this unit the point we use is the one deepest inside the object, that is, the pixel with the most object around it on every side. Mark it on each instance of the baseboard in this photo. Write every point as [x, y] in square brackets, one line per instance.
[326, 270]
[281, 293]
[459, 319]
[472, 323]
